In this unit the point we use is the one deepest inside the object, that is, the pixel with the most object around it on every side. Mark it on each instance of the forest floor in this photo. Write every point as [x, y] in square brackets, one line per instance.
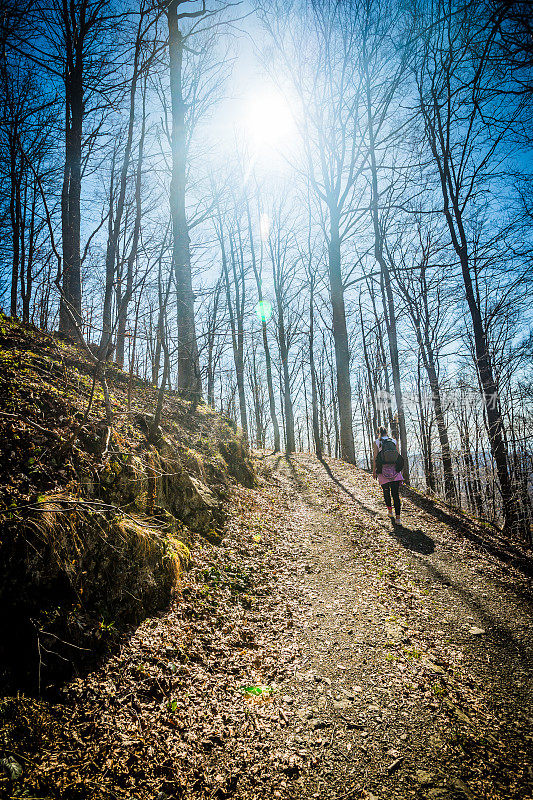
[319, 652]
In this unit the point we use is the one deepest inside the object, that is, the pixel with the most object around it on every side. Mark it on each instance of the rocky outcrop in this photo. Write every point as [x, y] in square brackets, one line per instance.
[166, 478]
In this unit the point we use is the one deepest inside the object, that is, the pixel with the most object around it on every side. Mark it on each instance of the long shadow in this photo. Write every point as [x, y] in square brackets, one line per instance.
[285, 457]
[266, 455]
[292, 468]
[504, 551]
[279, 459]
[337, 482]
[417, 541]
[421, 545]
[296, 478]
[496, 631]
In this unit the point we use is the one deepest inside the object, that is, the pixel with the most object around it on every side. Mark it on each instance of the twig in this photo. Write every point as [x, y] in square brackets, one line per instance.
[346, 794]
[76, 431]
[68, 644]
[26, 422]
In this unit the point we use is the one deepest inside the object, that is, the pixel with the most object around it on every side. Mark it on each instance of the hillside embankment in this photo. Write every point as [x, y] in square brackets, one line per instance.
[97, 522]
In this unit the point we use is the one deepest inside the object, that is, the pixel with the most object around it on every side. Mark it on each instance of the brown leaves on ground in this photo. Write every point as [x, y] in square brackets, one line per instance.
[317, 653]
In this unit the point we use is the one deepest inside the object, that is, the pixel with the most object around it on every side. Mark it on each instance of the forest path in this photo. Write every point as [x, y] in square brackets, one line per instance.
[318, 652]
[415, 641]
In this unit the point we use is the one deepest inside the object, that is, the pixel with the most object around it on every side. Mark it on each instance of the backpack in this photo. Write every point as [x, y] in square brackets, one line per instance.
[389, 451]
[389, 455]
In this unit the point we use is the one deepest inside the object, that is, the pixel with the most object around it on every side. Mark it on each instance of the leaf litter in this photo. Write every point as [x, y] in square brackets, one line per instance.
[330, 658]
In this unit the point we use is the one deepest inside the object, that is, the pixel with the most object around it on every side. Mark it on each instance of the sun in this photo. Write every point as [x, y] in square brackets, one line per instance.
[268, 121]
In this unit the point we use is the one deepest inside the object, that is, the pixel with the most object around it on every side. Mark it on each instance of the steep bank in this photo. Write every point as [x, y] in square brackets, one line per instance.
[95, 529]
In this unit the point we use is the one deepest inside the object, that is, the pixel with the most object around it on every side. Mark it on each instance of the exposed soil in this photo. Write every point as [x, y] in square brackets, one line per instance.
[318, 652]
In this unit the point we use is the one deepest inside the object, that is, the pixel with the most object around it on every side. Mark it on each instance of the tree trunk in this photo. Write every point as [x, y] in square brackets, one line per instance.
[386, 405]
[132, 257]
[483, 362]
[70, 307]
[340, 338]
[386, 288]
[26, 296]
[429, 361]
[492, 401]
[211, 335]
[153, 434]
[473, 487]
[390, 321]
[453, 208]
[189, 379]
[264, 332]
[425, 436]
[236, 338]
[255, 384]
[376, 421]
[290, 444]
[14, 214]
[314, 399]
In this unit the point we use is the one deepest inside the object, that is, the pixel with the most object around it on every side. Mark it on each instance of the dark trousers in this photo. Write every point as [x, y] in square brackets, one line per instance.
[392, 488]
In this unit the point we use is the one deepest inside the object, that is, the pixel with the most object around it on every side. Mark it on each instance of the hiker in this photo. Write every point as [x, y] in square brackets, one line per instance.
[388, 465]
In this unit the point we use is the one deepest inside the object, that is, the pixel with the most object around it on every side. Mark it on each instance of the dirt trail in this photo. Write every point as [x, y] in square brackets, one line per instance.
[318, 653]
[416, 646]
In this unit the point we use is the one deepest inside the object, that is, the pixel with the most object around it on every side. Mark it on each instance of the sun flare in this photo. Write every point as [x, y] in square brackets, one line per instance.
[268, 120]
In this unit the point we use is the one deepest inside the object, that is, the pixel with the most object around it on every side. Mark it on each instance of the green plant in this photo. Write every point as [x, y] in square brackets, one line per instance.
[257, 691]
[412, 652]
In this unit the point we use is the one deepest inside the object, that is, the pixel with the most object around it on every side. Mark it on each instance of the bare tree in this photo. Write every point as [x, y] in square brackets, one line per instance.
[257, 266]
[326, 36]
[454, 89]
[189, 379]
[24, 152]
[283, 276]
[424, 296]
[235, 286]
[117, 204]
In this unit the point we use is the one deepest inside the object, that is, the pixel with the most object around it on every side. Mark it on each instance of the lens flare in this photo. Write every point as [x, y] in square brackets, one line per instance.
[263, 310]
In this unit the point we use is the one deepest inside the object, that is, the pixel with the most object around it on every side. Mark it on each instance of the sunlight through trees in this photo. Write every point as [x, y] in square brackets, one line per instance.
[316, 213]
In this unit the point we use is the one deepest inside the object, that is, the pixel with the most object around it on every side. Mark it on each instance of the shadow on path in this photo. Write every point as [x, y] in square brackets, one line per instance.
[417, 541]
[286, 458]
[265, 455]
[337, 482]
[497, 631]
[502, 550]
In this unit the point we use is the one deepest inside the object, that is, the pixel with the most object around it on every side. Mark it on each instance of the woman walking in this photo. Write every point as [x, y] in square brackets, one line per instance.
[388, 464]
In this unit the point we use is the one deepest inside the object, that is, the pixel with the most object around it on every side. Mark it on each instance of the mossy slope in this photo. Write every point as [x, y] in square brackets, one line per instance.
[94, 539]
